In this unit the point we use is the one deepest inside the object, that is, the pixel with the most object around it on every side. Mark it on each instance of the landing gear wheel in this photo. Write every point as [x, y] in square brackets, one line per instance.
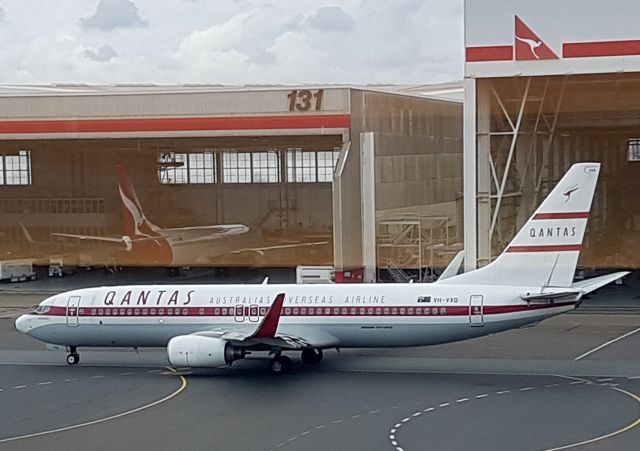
[73, 358]
[311, 356]
[280, 364]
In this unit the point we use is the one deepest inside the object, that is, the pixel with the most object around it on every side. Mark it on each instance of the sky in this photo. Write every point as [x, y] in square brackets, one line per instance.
[230, 42]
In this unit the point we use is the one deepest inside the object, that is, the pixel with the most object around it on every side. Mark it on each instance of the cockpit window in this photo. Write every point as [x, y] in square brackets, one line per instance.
[41, 309]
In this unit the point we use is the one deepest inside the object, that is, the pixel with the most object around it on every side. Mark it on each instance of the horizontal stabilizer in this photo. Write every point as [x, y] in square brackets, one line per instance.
[589, 285]
[547, 297]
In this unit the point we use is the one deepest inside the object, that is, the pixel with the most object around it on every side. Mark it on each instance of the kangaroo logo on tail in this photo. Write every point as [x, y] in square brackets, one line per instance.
[569, 191]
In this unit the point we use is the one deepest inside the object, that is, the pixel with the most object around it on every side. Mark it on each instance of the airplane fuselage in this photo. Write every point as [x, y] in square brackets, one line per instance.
[372, 315]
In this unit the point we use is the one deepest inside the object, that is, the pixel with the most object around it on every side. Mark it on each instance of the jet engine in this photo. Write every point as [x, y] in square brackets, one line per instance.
[203, 352]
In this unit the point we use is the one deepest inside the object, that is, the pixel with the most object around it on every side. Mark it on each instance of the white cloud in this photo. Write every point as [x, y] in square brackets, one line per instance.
[2, 14]
[112, 14]
[101, 54]
[331, 18]
[232, 42]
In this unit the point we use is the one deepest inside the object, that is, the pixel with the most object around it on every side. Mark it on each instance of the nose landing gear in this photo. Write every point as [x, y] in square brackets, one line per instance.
[73, 357]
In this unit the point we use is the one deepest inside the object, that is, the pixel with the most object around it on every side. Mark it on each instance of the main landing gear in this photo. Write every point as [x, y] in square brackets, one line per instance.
[311, 356]
[73, 357]
[280, 364]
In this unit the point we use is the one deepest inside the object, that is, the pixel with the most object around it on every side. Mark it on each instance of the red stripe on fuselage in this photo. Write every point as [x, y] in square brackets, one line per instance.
[248, 311]
[545, 248]
[565, 215]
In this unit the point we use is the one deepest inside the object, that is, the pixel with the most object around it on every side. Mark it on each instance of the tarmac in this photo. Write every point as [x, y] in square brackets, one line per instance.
[571, 382]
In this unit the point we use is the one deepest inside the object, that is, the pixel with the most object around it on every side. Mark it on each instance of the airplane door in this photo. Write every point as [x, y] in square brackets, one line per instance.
[476, 310]
[73, 305]
[239, 313]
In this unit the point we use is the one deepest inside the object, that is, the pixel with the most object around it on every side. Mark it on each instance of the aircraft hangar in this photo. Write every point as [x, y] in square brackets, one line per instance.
[545, 88]
[358, 178]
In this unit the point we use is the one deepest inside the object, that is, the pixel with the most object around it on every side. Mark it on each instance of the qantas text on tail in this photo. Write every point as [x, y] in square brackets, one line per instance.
[213, 325]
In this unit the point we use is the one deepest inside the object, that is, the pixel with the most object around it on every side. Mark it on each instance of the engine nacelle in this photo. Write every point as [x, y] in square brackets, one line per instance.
[203, 352]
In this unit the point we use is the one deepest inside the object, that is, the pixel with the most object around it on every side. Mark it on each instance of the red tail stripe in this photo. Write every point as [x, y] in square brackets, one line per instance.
[564, 215]
[548, 248]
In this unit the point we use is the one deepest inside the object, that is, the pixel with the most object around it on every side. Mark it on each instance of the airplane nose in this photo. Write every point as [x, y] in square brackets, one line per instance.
[23, 324]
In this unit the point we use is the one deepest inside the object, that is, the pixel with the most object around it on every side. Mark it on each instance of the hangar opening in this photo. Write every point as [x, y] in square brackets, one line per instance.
[544, 90]
[359, 179]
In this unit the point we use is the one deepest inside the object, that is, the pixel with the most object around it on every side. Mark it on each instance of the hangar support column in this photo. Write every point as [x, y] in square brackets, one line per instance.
[368, 196]
[469, 174]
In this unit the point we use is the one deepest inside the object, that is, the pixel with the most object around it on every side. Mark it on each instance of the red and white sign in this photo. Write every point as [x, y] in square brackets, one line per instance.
[550, 37]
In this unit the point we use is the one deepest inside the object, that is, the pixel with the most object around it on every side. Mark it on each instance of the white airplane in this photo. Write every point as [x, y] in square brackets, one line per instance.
[214, 325]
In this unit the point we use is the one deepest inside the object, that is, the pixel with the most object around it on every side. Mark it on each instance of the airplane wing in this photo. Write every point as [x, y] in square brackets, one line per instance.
[212, 231]
[589, 285]
[266, 335]
[107, 239]
[278, 246]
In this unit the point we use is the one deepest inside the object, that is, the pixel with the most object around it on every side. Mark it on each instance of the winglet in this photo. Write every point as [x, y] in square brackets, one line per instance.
[269, 325]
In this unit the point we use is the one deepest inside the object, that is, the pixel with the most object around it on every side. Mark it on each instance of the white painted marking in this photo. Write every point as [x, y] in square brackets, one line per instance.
[526, 388]
[374, 412]
[126, 374]
[404, 420]
[100, 420]
[429, 409]
[391, 436]
[503, 392]
[576, 382]
[356, 416]
[154, 371]
[395, 407]
[484, 395]
[18, 387]
[45, 383]
[398, 425]
[97, 377]
[322, 426]
[606, 379]
[336, 421]
[280, 445]
[417, 414]
[582, 356]
[393, 431]
[462, 400]
[291, 439]
[71, 380]
[633, 377]
[394, 443]
[611, 385]
[444, 404]
[304, 433]
[551, 385]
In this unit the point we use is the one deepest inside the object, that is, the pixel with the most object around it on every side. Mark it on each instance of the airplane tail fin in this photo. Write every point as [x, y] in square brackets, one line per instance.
[545, 251]
[133, 218]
